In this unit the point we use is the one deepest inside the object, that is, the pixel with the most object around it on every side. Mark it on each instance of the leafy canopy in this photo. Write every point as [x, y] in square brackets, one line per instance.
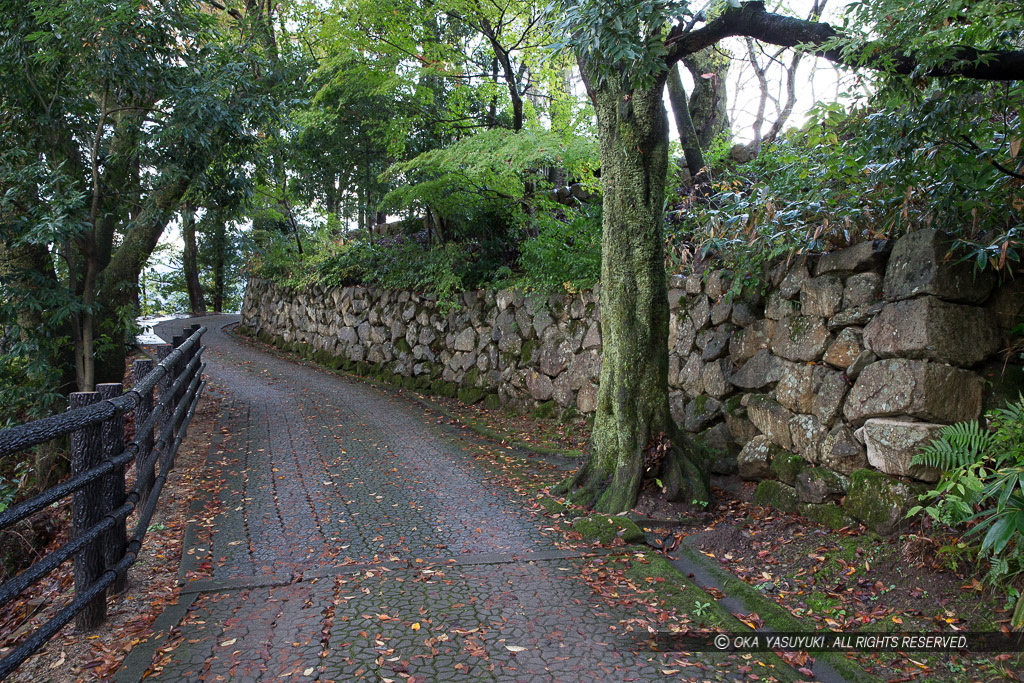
[621, 37]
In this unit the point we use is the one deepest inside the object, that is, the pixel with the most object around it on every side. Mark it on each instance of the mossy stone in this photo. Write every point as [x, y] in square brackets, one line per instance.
[527, 353]
[879, 501]
[402, 346]
[470, 395]
[606, 529]
[472, 375]
[492, 402]
[546, 410]
[568, 415]
[777, 495]
[831, 516]
[552, 505]
[733, 406]
[786, 467]
[449, 389]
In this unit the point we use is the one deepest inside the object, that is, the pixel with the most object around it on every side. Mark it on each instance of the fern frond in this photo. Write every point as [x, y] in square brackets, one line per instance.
[959, 445]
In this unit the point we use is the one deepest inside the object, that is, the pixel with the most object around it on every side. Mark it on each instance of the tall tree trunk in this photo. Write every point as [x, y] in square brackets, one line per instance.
[511, 78]
[220, 247]
[684, 126]
[116, 285]
[633, 418]
[492, 108]
[190, 259]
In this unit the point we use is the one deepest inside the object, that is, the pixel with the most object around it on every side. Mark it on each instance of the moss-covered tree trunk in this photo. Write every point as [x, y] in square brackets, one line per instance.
[633, 425]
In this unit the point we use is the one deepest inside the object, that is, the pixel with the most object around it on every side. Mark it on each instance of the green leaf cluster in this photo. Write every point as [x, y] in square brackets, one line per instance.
[983, 489]
[621, 38]
[496, 169]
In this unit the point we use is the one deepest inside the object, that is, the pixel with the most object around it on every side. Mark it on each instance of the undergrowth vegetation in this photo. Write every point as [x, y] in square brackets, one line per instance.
[912, 160]
[981, 494]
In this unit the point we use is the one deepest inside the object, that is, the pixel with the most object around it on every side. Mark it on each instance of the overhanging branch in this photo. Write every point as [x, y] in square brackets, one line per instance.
[752, 20]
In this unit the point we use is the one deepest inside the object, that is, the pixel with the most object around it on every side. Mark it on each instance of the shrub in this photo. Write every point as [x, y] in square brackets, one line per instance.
[565, 253]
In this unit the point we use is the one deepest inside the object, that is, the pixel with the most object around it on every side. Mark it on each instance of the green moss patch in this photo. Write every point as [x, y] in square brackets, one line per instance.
[879, 501]
[527, 353]
[831, 516]
[777, 495]
[470, 396]
[546, 410]
[606, 529]
[787, 466]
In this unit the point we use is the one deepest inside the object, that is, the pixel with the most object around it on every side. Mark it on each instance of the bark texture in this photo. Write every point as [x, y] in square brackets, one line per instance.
[633, 417]
[709, 102]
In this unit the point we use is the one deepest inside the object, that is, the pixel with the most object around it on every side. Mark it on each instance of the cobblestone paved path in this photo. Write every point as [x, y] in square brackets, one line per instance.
[344, 534]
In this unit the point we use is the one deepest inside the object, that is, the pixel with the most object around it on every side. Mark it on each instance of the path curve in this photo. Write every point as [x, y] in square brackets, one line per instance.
[344, 533]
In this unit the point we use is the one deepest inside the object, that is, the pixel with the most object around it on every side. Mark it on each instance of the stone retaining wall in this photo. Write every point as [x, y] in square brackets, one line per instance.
[851, 361]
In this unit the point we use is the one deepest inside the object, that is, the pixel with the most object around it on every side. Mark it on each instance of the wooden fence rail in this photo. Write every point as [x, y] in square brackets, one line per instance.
[100, 545]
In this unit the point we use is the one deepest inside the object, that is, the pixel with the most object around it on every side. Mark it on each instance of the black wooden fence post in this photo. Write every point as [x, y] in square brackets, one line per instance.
[163, 388]
[143, 461]
[179, 367]
[112, 435]
[86, 453]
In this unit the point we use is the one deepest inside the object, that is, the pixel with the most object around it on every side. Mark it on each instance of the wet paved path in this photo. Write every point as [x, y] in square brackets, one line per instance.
[344, 534]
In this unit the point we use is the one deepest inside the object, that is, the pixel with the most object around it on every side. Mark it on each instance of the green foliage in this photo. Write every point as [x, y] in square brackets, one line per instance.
[960, 445]
[491, 172]
[397, 263]
[984, 491]
[565, 254]
[717, 153]
[114, 112]
[903, 164]
[617, 36]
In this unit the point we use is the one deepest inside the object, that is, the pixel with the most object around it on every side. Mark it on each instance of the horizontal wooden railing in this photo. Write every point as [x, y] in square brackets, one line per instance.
[100, 546]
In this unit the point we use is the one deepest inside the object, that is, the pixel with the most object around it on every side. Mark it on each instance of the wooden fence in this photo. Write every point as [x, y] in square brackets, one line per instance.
[100, 545]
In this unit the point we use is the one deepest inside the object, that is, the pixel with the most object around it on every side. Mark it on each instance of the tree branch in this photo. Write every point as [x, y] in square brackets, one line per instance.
[752, 20]
[999, 167]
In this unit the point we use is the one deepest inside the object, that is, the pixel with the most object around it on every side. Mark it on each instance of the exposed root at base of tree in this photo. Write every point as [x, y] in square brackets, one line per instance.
[679, 467]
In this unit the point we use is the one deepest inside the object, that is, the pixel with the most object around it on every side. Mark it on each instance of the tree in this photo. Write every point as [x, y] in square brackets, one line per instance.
[121, 107]
[625, 51]
[190, 259]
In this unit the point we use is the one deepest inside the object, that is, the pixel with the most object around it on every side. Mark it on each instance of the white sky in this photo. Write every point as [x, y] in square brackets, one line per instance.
[816, 78]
